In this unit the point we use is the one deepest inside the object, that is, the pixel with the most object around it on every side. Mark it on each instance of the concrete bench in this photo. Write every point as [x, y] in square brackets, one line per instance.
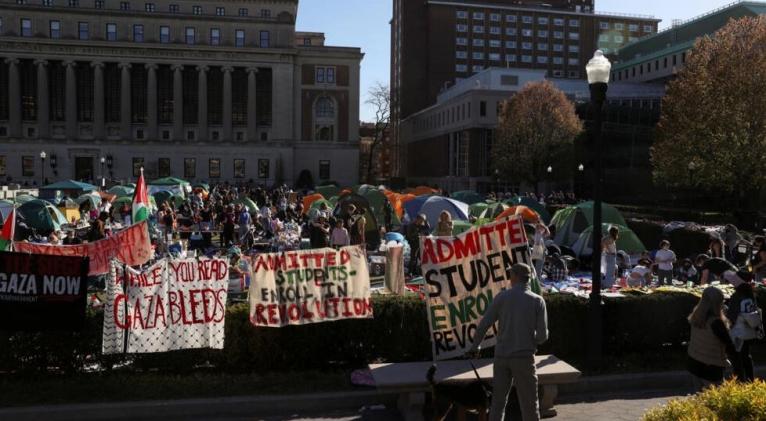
[408, 380]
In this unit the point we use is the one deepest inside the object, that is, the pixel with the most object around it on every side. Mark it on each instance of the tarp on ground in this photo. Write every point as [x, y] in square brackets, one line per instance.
[434, 206]
[532, 204]
[572, 221]
[467, 196]
[378, 203]
[42, 216]
[328, 190]
[372, 232]
[627, 241]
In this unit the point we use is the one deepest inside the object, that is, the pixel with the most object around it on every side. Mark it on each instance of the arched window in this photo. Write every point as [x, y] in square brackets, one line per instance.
[324, 119]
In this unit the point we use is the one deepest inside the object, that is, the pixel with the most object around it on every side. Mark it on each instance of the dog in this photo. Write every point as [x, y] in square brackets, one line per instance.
[475, 396]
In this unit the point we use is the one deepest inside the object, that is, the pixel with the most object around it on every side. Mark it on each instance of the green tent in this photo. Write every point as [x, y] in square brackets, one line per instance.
[572, 221]
[24, 198]
[70, 185]
[42, 216]
[248, 203]
[329, 190]
[121, 191]
[203, 186]
[531, 204]
[169, 181]
[459, 227]
[318, 203]
[165, 196]
[364, 188]
[378, 202]
[467, 196]
[494, 210]
[93, 199]
[627, 241]
[477, 209]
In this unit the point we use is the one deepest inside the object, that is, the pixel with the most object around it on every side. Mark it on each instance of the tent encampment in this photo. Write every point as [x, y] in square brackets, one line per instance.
[42, 216]
[379, 202]
[122, 191]
[477, 209]
[412, 206]
[171, 184]
[434, 206]
[627, 241]
[494, 210]
[329, 190]
[572, 221]
[69, 188]
[467, 196]
[372, 232]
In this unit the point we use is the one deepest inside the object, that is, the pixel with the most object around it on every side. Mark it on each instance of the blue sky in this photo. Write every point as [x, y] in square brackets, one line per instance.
[364, 23]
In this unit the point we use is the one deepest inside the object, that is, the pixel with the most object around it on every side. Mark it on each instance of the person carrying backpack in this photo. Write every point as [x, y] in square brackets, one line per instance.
[747, 327]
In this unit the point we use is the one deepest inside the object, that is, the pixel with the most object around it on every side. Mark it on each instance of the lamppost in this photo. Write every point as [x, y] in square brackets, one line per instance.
[598, 69]
[43, 155]
[550, 177]
[103, 177]
[580, 169]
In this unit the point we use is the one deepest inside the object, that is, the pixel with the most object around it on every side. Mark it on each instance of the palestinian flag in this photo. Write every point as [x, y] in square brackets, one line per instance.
[140, 201]
[6, 235]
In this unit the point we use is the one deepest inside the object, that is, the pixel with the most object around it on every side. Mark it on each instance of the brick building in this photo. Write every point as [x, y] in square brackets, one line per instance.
[382, 155]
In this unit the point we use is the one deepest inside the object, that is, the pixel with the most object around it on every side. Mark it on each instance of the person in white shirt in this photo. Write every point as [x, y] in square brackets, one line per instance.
[339, 237]
[665, 258]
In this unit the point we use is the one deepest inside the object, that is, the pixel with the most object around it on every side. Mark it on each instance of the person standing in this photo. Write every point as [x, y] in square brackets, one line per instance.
[709, 341]
[665, 258]
[741, 304]
[417, 228]
[522, 326]
[758, 258]
[538, 247]
[609, 250]
[339, 237]
[357, 227]
[445, 225]
[244, 222]
[228, 226]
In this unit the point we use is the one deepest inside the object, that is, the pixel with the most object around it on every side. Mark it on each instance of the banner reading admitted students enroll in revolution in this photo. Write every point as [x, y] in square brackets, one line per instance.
[463, 275]
[131, 246]
[310, 286]
[39, 292]
[174, 304]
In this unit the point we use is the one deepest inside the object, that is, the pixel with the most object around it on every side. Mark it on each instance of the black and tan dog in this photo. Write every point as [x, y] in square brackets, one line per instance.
[475, 396]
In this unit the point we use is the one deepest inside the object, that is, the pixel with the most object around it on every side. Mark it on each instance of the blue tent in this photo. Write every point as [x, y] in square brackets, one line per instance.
[70, 185]
[412, 208]
[434, 206]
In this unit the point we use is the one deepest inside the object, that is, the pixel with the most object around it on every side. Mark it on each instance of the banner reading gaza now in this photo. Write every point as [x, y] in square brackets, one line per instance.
[463, 275]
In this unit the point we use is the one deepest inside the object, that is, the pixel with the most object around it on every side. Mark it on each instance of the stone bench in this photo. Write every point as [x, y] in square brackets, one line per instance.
[408, 380]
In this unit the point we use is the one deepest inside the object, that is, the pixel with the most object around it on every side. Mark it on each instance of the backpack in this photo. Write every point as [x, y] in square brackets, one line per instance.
[749, 324]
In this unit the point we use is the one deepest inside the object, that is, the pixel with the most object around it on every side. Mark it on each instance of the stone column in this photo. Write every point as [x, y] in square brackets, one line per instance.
[202, 103]
[252, 123]
[227, 135]
[178, 102]
[126, 132]
[43, 100]
[98, 100]
[14, 97]
[151, 101]
[70, 95]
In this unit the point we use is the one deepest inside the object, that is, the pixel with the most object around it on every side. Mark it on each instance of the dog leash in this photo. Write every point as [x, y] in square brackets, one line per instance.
[481, 381]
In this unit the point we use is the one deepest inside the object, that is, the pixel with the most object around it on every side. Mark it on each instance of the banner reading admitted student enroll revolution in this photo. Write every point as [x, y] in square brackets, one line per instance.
[463, 275]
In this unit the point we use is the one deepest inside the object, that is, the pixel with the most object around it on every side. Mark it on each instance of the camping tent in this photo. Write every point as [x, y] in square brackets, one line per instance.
[171, 184]
[93, 199]
[494, 210]
[413, 206]
[42, 216]
[378, 203]
[434, 206]
[628, 241]
[248, 203]
[309, 200]
[467, 196]
[163, 196]
[122, 191]
[528, 214]
[328, 190]
[372, 232]
[423, 191]
[69, 188]
[477, 209]
[572, 221]
[532, 204]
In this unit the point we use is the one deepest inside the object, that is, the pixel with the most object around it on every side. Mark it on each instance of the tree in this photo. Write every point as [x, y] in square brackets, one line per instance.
[536, 129]
[379, 98]
[712, 132]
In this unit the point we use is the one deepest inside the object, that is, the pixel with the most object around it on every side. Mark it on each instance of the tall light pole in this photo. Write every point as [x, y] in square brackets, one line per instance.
[598, 69]
[43, 155]
[550, 178]
[103, 177]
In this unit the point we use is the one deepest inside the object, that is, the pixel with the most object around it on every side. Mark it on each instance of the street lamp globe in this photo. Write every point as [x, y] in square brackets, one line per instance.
[550, 170]
[43, 155]
[581, 168]
[692, 166]
[598, 68]
[103, 160]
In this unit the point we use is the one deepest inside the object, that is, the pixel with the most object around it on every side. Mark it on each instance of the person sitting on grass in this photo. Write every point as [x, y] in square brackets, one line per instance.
[710, 340]
[687, 272]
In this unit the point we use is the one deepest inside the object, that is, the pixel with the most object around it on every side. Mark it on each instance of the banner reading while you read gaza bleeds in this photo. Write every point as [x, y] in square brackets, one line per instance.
[131, 245]
[463, 275]
[310, 286]
[174, 304]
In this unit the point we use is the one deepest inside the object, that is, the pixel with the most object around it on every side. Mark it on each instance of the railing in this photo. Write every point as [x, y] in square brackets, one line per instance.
[625, 15]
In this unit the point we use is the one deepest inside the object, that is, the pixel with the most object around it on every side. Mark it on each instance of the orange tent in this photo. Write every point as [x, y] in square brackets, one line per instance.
[308, 200]
[423, 190]
[396, 202]
[407, 197]
[528, 214]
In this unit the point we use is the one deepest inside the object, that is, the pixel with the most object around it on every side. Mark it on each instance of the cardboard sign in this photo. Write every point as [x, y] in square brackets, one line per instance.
[174, 304]
[463, 275]
[310, 286]
[39, 292]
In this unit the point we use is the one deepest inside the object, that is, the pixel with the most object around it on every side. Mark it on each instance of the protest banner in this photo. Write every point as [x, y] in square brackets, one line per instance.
[40, 292]
[131, 246]
[310, 286]
[174, 304]
[463, 275]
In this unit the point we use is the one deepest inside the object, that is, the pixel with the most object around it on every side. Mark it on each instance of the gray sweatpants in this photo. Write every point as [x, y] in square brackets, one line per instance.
[519, 372]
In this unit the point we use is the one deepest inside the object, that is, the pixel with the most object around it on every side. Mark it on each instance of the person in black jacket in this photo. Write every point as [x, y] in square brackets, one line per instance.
[742, 301]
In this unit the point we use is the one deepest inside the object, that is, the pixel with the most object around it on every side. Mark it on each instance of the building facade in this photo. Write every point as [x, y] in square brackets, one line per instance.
[203, 90]
[658, 57]
[381, 156]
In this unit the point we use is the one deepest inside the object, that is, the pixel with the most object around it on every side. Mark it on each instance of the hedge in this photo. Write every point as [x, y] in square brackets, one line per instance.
[729, 401]
[645, 324]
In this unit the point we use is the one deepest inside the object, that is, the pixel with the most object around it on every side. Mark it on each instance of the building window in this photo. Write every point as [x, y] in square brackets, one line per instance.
[461, 55]
[494, 57]
[124, 5]
[98, 4]
[265, 13]
[324, 170]
[478, 15]
[527, 32]
[482, 108]
[510, 58]
[574, 62]
[191, 35]
[149, 7]
[510, 45]
[542, 34]
[648, 29]
[526, 45]
[174, 8]
[190, 95]
[526, 59]
[494, 17]
[511, 32]
[675, 60]
[461, 28]
[324, 119]
[574, 36]
[26, 27]
[220, 11]
[215, 36]
[603, 38]
[190, 168]
[55, 29]
[214, 168]
[478, 42]
[111, 32]
[239, 168]
[197, 10]
[542, 46]
[242, 11]
[574, 48]
[618, 39]
[542, 21]
[527, 19]
[461, 68]
[558, 22]
[263, 168]
[163, 167]
[558, 60]
[165, 94]
[307, 42]
[3, 171]
[542, 59]
[28, 166]
[495, 43]
[138, 164]
[495, 30]
[665, 63]
[603, 25]
[633, 28]
[74, 3]
[558, 48]
[574, 23]
[48, 3]
[478, 55]
[83, 32]
[462, 14]
[239, 38]
[461, 41]
[138, 33]
[479, 29]
[558, 35]
[619, 26]
[164, 34]
[138, 95]
[265, 39]
[325, 75]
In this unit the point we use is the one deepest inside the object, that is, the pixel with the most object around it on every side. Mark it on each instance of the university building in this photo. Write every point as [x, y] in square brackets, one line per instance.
[202, 90]
[437, 43]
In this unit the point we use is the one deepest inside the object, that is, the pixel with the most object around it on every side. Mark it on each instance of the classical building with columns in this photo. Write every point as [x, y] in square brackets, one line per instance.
[203, 90]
